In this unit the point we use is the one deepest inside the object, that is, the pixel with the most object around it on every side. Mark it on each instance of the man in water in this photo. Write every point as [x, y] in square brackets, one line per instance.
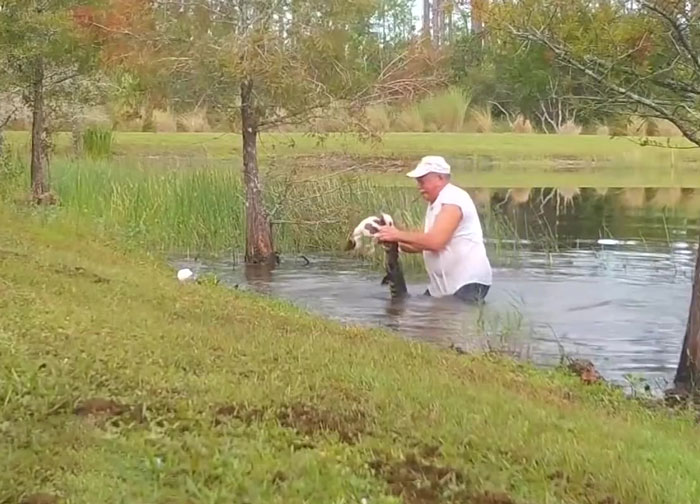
[452, 240]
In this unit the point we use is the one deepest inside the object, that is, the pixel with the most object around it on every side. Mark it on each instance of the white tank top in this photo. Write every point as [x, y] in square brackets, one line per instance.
[463, 260]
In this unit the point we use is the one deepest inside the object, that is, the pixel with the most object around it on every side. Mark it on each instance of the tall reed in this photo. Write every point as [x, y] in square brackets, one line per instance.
[201, 209]
[97, 141]
[445, 111]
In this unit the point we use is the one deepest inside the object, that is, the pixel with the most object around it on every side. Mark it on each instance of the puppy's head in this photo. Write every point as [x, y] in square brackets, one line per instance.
[386, 220]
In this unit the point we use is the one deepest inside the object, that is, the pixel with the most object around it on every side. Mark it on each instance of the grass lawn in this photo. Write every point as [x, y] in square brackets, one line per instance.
[488, 160]
[224, 396]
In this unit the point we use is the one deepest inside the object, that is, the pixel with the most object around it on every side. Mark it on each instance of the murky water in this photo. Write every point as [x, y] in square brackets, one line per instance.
[610, 281]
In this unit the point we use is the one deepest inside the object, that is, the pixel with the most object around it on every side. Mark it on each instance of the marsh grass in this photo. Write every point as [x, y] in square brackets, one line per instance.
[97, 141]
[195, 121]
[164, 121]
[444, 111]
[378, 118]
[482, 120]
[409, 119]
[522, 125]
[569, 128]
[200, 208]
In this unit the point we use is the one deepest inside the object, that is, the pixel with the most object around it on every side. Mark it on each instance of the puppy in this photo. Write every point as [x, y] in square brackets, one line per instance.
[368, 228]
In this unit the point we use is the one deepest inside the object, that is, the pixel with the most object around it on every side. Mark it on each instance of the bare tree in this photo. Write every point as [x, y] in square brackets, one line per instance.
[554, 110]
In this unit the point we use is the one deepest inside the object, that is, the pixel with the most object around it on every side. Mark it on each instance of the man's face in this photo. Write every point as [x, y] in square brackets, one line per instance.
[429, 186]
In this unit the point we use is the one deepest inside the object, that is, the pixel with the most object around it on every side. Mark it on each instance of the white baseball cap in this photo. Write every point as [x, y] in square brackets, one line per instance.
[434, 164]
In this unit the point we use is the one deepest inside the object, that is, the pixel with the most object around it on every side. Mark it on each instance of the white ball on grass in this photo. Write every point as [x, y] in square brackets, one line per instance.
[184, 274]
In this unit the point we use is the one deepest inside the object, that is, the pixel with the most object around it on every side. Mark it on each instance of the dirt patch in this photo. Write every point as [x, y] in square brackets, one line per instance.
[609, 500]
[492, 498]
[557, 476]
[99, 406]
[429, 451]
[310, 420]
[420, 479]
[11, 253]
[79, 271]
[241, 412]
[422, 482]
[279, 477]
[40, 498]
[306, 419]
[101, 412]
[302, 445]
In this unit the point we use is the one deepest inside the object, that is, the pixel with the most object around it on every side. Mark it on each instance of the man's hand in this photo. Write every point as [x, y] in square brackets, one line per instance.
[388, 234]
[435, 240]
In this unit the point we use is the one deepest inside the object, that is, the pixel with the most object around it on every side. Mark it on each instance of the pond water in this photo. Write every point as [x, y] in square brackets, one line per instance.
[599, 274]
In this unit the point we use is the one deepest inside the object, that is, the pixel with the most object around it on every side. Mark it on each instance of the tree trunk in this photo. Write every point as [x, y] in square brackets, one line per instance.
[258, 247]
[281, 27]
[477, 15]
[426, 19]
[148, 124]
[436, 22]
[688, 371]
[443, 22]
[40, 185]
[450, 24]
[77, 132]
[383, 18]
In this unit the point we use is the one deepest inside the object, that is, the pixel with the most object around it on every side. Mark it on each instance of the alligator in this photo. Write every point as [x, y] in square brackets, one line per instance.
[392, 264]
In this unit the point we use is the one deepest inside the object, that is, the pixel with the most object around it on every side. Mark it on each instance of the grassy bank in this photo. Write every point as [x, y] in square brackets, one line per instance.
[489, 160]
[223, 396]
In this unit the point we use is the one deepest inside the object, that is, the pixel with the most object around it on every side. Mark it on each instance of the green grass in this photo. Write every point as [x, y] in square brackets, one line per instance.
[311, 405]
[201, 210]
[489, 160]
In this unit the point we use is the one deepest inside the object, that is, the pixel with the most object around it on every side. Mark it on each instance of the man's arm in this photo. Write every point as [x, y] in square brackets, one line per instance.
[409, 249]
[435, 240]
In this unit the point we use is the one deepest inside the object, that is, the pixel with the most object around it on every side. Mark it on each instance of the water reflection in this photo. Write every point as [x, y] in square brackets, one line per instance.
[667, 197]
[259, 276]
[615, 290]
[571, 216]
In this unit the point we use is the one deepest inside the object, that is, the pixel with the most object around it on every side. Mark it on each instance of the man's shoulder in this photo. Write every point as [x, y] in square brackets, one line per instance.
[454, 194]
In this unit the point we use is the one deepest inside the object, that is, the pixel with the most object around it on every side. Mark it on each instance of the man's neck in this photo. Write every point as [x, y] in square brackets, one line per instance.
[438, 194]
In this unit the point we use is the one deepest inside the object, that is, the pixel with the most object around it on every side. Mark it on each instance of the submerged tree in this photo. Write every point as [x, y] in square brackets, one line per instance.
[41, 50]
[266, 63]
[643, 61]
